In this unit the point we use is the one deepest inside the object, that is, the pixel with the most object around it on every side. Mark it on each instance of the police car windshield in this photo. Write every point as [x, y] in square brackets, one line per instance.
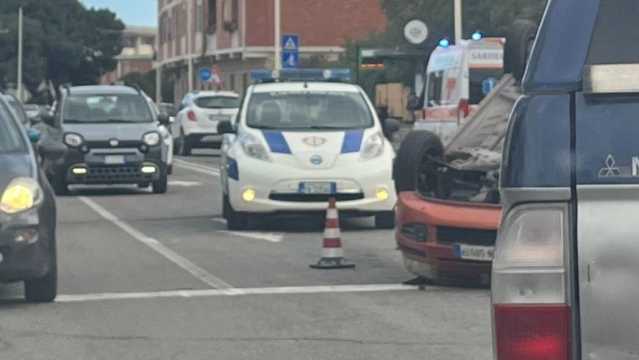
[217, 102]
[10, 139]
[94, 109]
[308, 110]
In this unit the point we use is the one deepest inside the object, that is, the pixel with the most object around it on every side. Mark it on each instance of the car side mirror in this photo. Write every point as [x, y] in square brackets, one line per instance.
[225, 127]
[164, 119]
[34, 135]
[52, 150]
[391, 126]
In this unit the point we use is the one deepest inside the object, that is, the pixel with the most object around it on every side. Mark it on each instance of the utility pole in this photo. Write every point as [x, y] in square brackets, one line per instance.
[277, 63]
[189, 38]
[20, 26]
[458, 21]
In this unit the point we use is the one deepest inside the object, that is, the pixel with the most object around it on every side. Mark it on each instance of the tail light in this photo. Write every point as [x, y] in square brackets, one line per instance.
[191, 115]
[532, 316]
[463, 108]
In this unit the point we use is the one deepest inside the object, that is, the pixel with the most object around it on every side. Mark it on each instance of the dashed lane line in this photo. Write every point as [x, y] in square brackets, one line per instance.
[161, 249]
[266, 236]
[197, 167]
[293, 290]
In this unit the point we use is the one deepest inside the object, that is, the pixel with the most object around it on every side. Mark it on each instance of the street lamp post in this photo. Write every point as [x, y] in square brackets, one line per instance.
[458, 21]
[20, 45]
[277, 63]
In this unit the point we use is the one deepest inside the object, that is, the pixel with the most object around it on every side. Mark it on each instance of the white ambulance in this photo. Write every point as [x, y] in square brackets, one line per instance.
[457, 78]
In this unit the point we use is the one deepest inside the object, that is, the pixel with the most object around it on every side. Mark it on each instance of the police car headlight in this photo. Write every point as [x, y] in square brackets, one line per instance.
[373, 146]
[253, 147]
[22, 194]
[151, 139]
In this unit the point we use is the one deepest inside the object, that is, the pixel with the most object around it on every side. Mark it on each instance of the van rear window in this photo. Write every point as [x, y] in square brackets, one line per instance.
[616, 33]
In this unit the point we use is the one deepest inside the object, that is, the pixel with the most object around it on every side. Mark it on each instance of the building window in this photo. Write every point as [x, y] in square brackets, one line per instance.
[232, 82]
[199, 17]
[231, 15]
[212, 17]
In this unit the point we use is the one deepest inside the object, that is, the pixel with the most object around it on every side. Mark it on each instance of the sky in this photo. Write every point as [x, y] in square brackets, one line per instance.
[132, 12]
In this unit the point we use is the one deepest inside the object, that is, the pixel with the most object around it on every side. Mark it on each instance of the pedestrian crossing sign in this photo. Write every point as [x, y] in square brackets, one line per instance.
[291, 43]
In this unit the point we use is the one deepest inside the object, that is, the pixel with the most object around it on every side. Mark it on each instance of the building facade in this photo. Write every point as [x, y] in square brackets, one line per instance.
[237, 36]
[137, 54]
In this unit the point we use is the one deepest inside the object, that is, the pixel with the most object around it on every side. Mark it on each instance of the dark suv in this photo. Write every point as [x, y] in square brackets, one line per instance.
[113, 137]
[565, 268]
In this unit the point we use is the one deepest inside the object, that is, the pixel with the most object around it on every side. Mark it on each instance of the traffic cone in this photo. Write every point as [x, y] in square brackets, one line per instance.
[332, 251]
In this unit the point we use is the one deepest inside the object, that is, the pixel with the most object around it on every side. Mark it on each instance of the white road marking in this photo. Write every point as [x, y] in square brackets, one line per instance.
[293, 290]
[197, 167]
[180, 183]
[154, 244]
[266, 236]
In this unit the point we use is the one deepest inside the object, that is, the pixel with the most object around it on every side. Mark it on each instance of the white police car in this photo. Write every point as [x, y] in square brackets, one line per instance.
[299, 141]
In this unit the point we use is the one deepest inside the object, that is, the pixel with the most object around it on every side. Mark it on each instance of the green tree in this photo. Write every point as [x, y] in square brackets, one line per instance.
[64, 42]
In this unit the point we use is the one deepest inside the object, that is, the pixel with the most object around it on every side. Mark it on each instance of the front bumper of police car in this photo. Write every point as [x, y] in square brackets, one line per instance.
[261, 180]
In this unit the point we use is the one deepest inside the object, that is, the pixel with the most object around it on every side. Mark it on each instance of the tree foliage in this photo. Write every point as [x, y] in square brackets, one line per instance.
[63, 42]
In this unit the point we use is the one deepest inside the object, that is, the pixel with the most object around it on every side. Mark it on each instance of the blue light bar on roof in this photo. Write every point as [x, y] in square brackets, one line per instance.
[334, 75]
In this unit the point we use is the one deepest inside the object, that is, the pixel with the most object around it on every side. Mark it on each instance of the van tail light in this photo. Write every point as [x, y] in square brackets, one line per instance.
[532, 332]
[191, 115]
[532, 315]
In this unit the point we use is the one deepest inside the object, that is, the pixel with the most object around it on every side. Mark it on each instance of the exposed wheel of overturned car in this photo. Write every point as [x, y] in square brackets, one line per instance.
[415, 146]
[519, 44]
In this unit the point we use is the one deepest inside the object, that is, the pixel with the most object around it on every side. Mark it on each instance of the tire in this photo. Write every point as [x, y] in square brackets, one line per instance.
[161, 185]
[385, 220]
[235, 221]
[44, 289]
[185, 145]
[169, 169]
[411, 152]
[519, 42]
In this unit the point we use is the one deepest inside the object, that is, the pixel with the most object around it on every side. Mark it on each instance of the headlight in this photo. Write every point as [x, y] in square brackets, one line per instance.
[151, 139]
[21, 195]
[373, 146]
[253, 147]
[73, 140]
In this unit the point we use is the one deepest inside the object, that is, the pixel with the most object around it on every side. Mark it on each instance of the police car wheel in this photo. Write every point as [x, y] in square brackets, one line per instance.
[385, 220]
[415, 146]
[44, 289]
[234, 220]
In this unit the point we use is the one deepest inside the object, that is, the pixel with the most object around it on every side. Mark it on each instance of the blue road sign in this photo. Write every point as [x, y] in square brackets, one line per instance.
[290, 43]
[290, 60]
[205, 74]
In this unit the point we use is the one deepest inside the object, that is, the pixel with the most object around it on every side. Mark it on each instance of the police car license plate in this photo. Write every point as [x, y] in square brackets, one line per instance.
[114, 159]
[322, 188]
[479, 253]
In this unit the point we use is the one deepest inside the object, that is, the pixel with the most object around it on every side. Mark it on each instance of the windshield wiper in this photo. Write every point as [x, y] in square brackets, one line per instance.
[331, 128]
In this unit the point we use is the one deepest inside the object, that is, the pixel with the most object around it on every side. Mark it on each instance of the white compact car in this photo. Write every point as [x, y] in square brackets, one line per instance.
[196, 122]
[298, 143]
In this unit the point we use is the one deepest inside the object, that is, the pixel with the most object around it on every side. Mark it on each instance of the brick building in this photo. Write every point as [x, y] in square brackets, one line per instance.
[137, 53]
[239, 35]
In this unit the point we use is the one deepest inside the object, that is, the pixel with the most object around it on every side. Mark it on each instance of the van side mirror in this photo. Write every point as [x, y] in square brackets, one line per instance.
[225, 127]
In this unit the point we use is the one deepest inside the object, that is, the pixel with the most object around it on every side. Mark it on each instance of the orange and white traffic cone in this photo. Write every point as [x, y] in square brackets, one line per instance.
[332, 251]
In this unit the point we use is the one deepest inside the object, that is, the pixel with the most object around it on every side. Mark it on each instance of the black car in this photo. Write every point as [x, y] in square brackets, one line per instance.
[27, 211]
[112, 136]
